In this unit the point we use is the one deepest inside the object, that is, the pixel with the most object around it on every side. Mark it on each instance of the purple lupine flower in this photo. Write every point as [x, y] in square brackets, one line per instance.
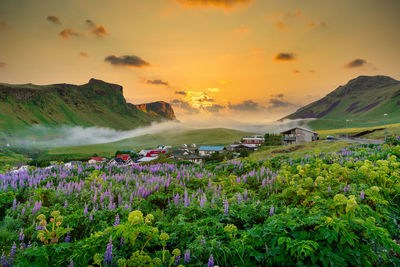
[116, 220]
[108, 254]
[3, 260]
[177, 260]
[245, 196]
[176, 199]
[14, 206]
[67, 238]
[186, 256]
[211, 261]
[219, 244]
[226, 206]
[12, 254]
[239, 198]
[85, 209]
[362, 195]
[21, 235]
[202, 241]
[91, 217]
[29, 244]
[23, 211]
[122, 242]
[65, 204]
[271, 210]
[71, 263]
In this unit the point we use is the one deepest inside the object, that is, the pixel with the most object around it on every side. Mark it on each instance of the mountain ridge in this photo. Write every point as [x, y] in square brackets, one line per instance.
[362, 100]
[96, 103]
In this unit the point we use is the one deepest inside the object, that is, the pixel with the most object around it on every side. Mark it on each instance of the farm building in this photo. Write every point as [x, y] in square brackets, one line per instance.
[208, 150]
[254, 140]
[238, 147]
[298, 135]
[94, 160]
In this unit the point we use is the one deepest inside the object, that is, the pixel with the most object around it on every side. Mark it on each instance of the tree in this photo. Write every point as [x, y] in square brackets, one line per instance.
[272, 139]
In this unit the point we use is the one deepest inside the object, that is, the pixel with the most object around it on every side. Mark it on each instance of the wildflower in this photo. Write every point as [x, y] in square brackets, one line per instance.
[12, 254]
[29, 244]
[239, 198]
[108, 254]
[122, 242]
[211, 261]
[67, 238]
[202, 241]
[3, 260]
[226, 206]
[362, 195]
[271, 210]
[65, 206]
[164, 236]
[71, 263]
[85, 210]
[186, 256]
[245, 195]
[116, 220]
[21, 235]
[91, 217]
[23, 211]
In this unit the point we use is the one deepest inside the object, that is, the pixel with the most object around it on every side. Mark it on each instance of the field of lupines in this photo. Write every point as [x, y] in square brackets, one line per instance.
[334, 209]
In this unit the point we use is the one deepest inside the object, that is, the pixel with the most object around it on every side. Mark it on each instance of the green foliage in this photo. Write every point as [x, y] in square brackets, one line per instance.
[272, 139]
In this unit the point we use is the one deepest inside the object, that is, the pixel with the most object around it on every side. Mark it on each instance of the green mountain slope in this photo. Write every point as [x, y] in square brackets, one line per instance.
[362, 101]
[96, 103]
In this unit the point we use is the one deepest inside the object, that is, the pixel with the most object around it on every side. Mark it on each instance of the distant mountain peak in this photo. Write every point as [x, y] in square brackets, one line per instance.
[364, 98]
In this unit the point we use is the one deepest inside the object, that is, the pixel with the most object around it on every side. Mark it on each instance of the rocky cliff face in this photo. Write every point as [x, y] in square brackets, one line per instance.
[94, 103]
[160, 107]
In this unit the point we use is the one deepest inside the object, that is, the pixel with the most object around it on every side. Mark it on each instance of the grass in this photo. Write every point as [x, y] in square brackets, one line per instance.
[298, 150]
[392, 129]
[216, 136]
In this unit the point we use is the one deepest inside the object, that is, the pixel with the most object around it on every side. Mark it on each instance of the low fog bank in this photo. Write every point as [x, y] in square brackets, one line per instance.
[41, 136]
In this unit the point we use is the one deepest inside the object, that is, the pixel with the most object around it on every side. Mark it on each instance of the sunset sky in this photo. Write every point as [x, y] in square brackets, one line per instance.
[238, 58]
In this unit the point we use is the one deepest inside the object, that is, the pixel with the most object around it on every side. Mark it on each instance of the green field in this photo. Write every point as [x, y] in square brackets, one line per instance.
[216, 136]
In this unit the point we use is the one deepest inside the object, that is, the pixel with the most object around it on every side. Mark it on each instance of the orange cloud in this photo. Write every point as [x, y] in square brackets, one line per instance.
[98, 30]
[281, 26]
[68, 33]
[83, 54]
[3, 24]
[127, 61]
[227, 4]
[285, 57]
[242, 29]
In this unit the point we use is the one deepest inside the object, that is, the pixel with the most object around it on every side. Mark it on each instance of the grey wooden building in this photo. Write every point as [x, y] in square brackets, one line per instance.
[298, 135]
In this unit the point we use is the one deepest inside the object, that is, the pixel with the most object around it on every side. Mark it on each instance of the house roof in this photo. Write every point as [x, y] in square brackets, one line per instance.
[98, 158]
[244, 145]
[146, 159]
[211, 148]
[301, 128]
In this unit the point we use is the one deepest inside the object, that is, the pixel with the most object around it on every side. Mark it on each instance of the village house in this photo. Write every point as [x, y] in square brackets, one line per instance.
[186, 155]
[238, 146]
[95, 160]
[298, 135]
[253, 140]
[208, 150]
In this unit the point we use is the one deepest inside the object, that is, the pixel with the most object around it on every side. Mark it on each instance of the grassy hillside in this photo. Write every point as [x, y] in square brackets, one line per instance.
[298, 150]
[217, 136]
[95, 103]
[363, 101]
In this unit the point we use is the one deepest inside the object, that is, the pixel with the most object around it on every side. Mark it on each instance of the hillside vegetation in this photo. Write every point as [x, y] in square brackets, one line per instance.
[362, 100]
[96, 103]
[320, 209]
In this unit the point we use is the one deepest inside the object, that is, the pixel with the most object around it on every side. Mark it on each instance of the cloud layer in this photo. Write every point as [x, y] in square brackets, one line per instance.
[213, 3]
[127, 61]
[68, 33]
[157, 82]
[355, 63]
[54, 19]
[285, 57]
